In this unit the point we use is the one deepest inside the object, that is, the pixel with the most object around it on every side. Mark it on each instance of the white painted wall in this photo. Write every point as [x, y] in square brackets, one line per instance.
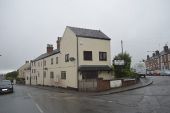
[96, 46]
[68, 45]
[22, 69]
[27, 77]
[115, 83]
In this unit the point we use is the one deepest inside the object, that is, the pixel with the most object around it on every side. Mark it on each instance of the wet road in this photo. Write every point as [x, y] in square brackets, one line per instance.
[152, 99]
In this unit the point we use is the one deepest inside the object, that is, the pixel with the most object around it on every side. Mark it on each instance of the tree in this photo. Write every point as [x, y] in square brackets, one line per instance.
[11, 75]
[123, 70]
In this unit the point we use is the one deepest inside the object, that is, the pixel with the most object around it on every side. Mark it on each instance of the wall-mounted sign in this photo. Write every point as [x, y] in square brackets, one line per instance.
[119, 62]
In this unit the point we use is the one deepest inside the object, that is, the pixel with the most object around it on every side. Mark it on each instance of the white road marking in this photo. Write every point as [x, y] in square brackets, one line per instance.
[109, 101]
[38, 107]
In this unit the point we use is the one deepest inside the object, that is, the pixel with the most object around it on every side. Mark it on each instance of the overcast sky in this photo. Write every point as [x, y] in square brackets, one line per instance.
[26, 26]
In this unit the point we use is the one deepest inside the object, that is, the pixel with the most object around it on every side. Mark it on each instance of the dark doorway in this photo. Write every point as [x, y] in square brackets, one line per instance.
[89, 74]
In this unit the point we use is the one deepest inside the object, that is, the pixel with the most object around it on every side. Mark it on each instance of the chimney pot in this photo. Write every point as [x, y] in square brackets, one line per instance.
[157, 52]
[147, 57]
[58, 43]
[166, 48]
[49, 48]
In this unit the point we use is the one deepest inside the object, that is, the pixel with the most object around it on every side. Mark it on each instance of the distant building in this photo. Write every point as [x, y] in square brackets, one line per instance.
[2, 77]
[81, 54]
[24, 72]
[159, 60]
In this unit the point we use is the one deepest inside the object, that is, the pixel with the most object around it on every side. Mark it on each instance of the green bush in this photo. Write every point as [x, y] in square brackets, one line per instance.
[124, 70]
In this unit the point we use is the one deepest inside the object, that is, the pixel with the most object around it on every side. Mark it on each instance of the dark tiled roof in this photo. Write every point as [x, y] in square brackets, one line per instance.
[47, 55]
[163, 52]
[160, 54]
[89, 33]
[94, 68]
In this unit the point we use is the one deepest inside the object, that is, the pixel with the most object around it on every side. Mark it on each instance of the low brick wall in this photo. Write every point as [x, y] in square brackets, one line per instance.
[103, 85]
[128, 82]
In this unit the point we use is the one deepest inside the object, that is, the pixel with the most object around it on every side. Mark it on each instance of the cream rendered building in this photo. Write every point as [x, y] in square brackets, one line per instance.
[80, 54]
[24, 72]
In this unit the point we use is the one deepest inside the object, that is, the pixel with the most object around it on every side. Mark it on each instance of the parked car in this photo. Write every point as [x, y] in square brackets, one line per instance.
[165, 72]
[156, 73]
[6, 86]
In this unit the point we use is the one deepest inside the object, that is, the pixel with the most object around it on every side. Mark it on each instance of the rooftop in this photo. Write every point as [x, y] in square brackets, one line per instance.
[46, 55]
[89, 33]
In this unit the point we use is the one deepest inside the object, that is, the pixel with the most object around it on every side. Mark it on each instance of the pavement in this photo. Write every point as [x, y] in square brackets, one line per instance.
[142, 83]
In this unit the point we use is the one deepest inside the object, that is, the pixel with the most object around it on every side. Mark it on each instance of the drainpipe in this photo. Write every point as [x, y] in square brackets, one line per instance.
[43, 72]
[30, 72]
[77, 65]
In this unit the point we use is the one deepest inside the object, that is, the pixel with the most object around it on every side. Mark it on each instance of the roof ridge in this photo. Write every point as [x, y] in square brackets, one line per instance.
[84, 28]
[89, 33]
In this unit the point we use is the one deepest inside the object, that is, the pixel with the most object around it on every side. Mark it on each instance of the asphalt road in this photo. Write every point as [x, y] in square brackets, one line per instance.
[151, 99]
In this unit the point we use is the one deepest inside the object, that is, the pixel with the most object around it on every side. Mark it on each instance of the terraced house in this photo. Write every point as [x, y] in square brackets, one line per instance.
[81, 54]
[158, 61]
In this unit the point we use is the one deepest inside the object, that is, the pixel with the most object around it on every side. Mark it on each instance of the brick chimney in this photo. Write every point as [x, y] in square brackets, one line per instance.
[26, 62]
[49, 48]
[157, 53]
[153, 54]
[58, 43]
[147, 57]
[166, 48]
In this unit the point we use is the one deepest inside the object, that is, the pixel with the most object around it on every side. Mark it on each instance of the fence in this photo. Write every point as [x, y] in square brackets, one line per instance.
[88, 85]
[94, 85]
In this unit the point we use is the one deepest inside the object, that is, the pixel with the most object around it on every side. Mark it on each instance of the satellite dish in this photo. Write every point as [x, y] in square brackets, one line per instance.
[72, 59]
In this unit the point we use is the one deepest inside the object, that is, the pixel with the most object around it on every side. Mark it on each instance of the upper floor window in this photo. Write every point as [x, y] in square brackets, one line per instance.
[56, 60]
[67, 58]
[51, 75]
[63, 74]
[102, 56]
[87, 55]
[51, 60]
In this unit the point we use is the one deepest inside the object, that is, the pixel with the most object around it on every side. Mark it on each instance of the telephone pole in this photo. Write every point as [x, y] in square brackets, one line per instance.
[122, 46]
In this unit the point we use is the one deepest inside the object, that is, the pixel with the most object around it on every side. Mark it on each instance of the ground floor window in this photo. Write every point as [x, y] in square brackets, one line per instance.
[63, 74]
[51, 75]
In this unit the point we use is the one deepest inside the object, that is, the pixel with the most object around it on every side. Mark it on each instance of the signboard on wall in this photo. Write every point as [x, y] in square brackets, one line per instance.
[119, 62]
